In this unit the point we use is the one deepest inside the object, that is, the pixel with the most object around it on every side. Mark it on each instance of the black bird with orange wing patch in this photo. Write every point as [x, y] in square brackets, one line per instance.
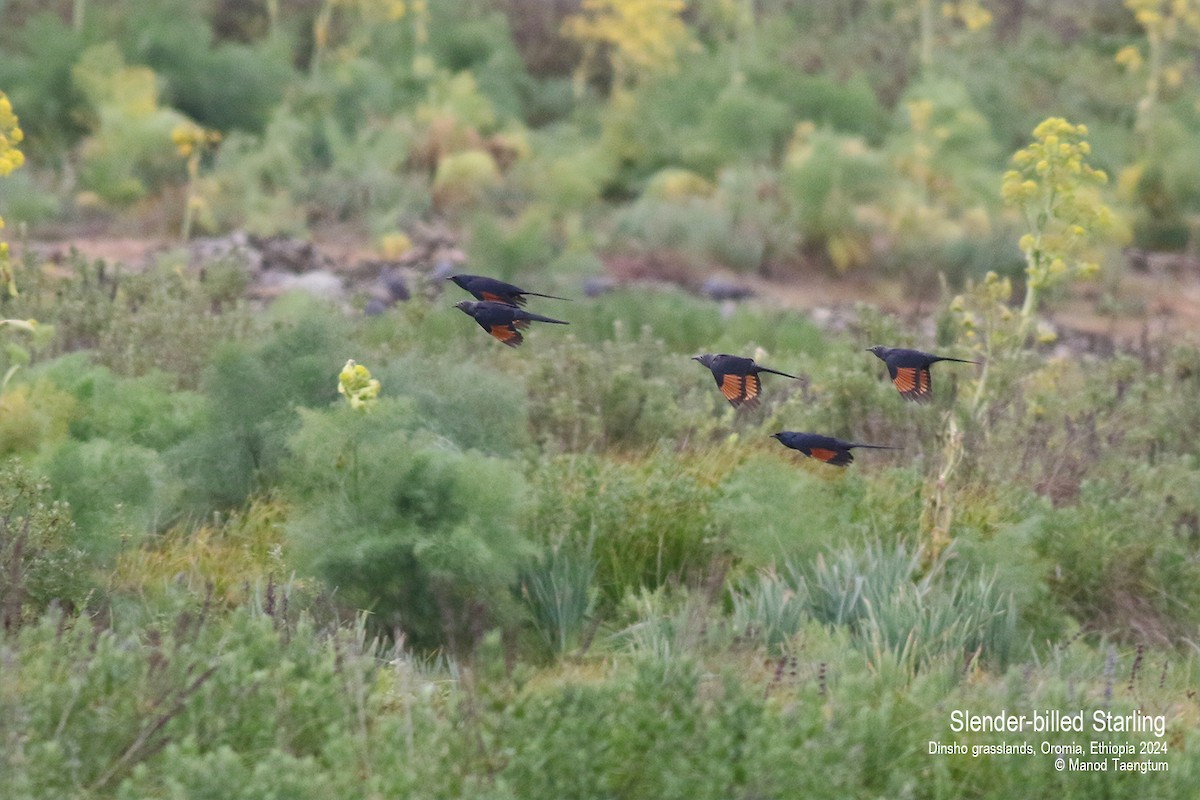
[503, 320]
[909, 370]
[737, 377]
[494, 291]
[824, 448]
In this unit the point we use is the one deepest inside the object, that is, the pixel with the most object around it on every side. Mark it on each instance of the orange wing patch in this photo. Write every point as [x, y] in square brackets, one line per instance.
[821, 454]
[924, 382]
[514, 300]
[732, 386]
[906, 379]
[753, 388]
[741, 389]
[507, 334]
[913, 383]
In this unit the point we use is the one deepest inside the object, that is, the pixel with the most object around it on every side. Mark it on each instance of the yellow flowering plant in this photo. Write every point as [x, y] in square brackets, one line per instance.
[357, 386]
[642, 37]
[191, 142]
[1165, 22]
[1057, 193]
[11, 158]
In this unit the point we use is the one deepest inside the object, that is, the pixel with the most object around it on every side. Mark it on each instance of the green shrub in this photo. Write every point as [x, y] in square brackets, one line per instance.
[223, 86]
[827, 177]
[251, 396]
[43, 556]
[166, 318]
[1117, 561]
[422, 534]
[143, 410]
[776, 511]
[647, 523]
[130, 151]
[33, 415]
[901, 612]
[614, 394]
[510, 248]
[117, 491]
[474, 406]
[558, 588]
[36, 74]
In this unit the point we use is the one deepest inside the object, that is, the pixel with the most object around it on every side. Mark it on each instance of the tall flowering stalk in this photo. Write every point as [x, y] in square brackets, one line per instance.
[11, 158]
[1057, 193]
[191, 141]
[1165, 23]
[641, 36]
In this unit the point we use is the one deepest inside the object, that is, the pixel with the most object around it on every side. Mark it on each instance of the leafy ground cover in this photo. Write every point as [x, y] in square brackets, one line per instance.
[571, 569]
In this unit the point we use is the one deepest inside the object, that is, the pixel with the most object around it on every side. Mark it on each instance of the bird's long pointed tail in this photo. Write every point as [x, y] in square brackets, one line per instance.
[876, 446]
[551, 296]
[540, 318]
[777, 372]
[959, 360]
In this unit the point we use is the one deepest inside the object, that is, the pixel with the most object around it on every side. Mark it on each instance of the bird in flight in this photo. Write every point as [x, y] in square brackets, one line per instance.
[492, 290]
[909, 370]
[824, 448]
[503, 320]
[737, 377]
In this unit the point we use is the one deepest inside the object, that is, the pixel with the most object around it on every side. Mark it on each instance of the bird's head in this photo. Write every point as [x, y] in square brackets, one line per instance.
[777, 435]
[704, 358]
[879, 350]
[456, 278]
[465, 305]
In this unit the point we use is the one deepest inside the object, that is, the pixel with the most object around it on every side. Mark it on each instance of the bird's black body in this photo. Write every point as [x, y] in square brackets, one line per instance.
[492, 290]
[737, 377]
[824, 448]
[502, 320]
[909, 370]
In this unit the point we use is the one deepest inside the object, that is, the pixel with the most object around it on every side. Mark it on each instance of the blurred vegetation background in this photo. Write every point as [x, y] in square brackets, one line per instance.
[571, 569]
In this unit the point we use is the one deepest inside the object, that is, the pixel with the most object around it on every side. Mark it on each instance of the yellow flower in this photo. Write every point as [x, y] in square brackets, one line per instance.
[357, 386]
[11, 136]
[394, 245]
[1129, 57]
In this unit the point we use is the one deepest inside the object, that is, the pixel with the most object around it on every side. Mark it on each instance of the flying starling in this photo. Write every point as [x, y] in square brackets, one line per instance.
[737, 377]
[910, 370]
[492, 290]
[824, 448]
[503, 320]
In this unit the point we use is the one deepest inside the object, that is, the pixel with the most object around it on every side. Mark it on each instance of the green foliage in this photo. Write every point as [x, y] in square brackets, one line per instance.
[512, 247]
[130, 147]
[36, 73]
[167, 318]
[42, 555]
[637, 405]
[827, 177]
[142, 410]
[224, 86]
[901, 612]
[404, 524]
[646, 524]
[758, 507]
[116, 490]
[252, 392]
[474, 406]
[558, 588]
[1121, 559]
